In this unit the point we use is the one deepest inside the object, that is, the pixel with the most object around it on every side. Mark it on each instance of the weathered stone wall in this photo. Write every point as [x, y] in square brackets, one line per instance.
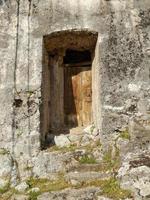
[121, 59]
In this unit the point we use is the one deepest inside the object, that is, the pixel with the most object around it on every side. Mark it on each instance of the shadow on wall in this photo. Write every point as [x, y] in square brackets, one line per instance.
[69, 101]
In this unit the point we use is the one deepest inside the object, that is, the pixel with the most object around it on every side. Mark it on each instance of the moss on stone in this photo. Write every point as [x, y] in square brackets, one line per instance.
[91, 146]
[28, 168]
[71, 148]
[4, 151]
[111, 162]
[7, 195]
[46, 185]
[125, 135]
[87, 159]
[33, 195]
[5, 189]
[92, 128]
[110, 188]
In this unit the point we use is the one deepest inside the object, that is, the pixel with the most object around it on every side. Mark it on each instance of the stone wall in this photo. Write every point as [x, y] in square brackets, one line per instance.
[121, 59]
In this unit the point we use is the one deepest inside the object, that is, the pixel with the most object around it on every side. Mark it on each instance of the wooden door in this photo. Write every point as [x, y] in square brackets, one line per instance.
[77, 96]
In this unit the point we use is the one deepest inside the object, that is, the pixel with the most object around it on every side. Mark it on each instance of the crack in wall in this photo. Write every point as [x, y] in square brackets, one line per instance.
[14, 75]
[14, 87]
[28, 78]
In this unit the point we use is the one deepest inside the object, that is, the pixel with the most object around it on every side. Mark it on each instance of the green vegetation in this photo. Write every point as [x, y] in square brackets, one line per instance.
[46, 185]
[87, 159]
[92, 128]
[125, 135]
[90, 147]
[28, 168]
[19, 133]
[111, 162]
[71, 148]
[110, 188]
[3, 151]
[5, 188]
[30, 92]
[34, 195]
[98, 143]
[7, 195]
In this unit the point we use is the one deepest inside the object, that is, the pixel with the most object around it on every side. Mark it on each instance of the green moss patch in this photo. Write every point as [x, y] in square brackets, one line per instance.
[34, 195]
[5, 189]
[4, 151]
[111, 162]
[125, 135]
[71, 148]
[87, 159]
[111, 188]
[46, 185]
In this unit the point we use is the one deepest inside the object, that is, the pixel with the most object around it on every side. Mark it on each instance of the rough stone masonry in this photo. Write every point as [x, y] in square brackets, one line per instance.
[122, 82]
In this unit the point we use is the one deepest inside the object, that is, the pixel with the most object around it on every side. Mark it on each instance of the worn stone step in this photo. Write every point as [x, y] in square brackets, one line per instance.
[19, 197]
[86, 167]
[89, 193]
[77, 177]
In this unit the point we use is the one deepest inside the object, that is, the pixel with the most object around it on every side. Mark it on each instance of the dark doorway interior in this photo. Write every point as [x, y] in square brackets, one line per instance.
[76, 57]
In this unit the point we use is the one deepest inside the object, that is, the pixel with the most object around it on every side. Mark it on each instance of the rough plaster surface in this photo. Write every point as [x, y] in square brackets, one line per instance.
[122, 60]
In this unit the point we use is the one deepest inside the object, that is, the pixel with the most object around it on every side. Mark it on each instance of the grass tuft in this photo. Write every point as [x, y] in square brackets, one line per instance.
[87, 159]
[4, 151]
[125, 135]
[71, 148]
[34, 195]
[46, 185]
[5, 189]
[111, 162]
[111, 188]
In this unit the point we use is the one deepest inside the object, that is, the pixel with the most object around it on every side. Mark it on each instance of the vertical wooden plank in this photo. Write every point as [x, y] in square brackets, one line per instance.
[86, 96]
[72, 91]
[56, 93]
[76, 87]
[45, 109]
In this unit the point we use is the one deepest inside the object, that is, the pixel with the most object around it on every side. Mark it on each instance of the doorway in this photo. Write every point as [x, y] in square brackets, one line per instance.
[67, 83]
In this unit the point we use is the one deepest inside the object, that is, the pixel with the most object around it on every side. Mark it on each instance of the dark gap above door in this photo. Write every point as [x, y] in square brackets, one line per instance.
[77, 57]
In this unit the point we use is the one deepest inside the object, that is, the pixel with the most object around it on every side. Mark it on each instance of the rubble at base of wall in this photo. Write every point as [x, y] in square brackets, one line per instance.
[126, 157]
